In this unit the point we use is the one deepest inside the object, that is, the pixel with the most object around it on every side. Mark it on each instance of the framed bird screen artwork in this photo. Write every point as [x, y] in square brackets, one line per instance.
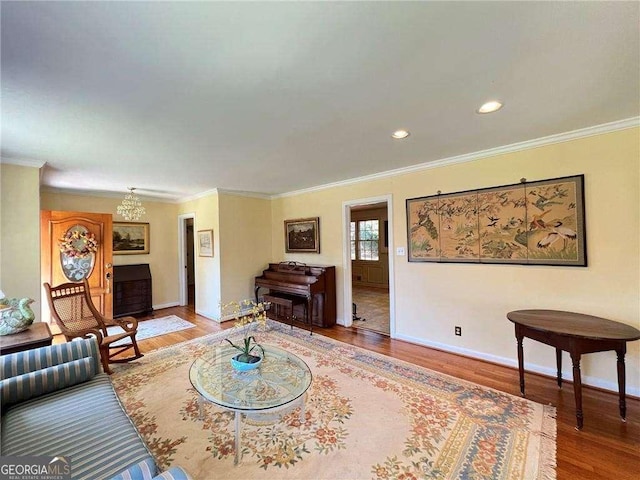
[530, 223]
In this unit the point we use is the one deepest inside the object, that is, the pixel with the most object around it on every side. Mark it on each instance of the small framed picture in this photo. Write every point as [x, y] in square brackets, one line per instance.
[302, 235]
[205, 243]
[130, 238]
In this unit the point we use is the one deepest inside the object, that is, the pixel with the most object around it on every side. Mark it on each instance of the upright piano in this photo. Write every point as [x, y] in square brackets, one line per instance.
[315, 283]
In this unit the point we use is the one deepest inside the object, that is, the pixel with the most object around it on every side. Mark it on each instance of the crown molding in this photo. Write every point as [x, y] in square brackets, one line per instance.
[240, 193]
[206, 193]
[222, 191]
[470, 157]
[22, 162]
[102, 194]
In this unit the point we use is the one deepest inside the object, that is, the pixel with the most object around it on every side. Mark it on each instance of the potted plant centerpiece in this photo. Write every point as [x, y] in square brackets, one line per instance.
[248, 315]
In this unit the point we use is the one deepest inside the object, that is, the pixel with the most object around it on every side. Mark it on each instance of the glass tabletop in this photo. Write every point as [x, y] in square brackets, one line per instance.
[281, 378]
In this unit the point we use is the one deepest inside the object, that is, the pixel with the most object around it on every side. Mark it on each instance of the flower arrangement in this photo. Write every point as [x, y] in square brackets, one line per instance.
[248, 314]
[78, 244]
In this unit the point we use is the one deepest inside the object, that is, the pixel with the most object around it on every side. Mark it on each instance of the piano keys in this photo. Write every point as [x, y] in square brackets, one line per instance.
[315, 283]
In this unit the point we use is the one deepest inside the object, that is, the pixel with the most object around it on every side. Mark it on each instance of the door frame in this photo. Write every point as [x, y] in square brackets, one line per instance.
[346, 258]
[182, 257]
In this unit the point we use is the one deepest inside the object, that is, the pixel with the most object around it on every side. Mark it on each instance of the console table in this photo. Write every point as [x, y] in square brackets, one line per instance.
[577, 334]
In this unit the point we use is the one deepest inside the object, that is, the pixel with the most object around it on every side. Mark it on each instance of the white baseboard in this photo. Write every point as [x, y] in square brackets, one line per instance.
[550, 372]
[226, 318]
[509, 362]
[204, 313]
[209, 315]
[166, 305]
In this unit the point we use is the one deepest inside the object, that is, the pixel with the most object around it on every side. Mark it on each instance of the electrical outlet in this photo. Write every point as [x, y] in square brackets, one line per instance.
[458, 331]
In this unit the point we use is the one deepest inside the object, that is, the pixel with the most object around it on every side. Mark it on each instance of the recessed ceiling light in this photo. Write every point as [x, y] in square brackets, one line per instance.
[400, 134]
[490, 107]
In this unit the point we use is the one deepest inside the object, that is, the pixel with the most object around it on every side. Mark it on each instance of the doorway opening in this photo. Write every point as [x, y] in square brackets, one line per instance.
[369, 295]
[186, 247]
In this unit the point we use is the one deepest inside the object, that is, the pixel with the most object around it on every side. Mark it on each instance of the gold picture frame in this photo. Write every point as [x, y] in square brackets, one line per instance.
[302, 235]
[205, 243]
[130, 238]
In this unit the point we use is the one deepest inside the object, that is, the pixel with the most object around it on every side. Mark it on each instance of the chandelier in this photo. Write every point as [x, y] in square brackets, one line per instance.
[131, 207]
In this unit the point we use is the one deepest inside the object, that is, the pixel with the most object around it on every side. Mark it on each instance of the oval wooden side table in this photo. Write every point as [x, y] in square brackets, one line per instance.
[577, 334]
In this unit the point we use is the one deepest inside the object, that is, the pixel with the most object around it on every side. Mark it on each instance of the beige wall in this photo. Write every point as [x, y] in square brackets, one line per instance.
[20, 233]
[431, 298]
[245, 244]
[208, 290]
[163, 238]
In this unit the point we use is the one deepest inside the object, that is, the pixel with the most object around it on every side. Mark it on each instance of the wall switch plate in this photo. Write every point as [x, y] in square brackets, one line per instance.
[458, 331]
[400, 251]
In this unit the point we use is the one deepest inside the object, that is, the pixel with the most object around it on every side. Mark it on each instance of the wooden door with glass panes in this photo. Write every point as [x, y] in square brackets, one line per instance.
[74, 246]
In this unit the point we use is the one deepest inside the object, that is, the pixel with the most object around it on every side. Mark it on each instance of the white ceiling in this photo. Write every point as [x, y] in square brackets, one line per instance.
[179, 98]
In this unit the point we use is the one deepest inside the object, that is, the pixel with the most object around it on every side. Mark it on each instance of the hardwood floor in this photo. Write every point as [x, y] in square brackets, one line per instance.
[606, 448]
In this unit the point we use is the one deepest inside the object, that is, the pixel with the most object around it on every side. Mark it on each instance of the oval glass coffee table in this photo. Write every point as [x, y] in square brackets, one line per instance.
[280, 380]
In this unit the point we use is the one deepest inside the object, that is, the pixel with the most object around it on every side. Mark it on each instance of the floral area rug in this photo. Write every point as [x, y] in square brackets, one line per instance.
[155, 327]
[366, 416]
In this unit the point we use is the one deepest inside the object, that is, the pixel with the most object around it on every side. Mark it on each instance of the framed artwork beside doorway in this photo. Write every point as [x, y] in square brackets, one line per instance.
[205, 243]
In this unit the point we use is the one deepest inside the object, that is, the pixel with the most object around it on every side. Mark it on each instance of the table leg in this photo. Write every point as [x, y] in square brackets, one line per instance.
[622, 382]
[559, 364]
[577, 388]
[238, 435]
[200, 407]
[520, 361]
[310, 313]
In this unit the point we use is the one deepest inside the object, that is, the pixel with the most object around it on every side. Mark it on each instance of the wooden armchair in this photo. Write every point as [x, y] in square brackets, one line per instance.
[73, 310]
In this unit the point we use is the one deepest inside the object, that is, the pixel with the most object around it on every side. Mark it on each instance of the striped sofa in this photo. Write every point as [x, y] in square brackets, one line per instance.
[55, 401]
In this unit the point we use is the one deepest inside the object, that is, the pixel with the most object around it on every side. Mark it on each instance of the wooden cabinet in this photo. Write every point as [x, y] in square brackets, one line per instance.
[131, 290]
